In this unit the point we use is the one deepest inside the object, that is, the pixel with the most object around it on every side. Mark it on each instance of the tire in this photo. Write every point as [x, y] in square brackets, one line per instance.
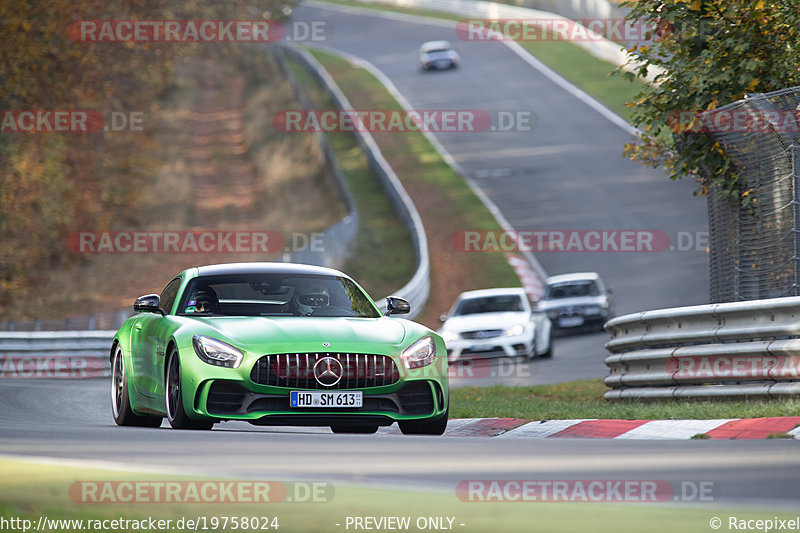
[361, 429]
[433, 426]
[120, 401]
[549, 353]
[531, 355]
[176, 415]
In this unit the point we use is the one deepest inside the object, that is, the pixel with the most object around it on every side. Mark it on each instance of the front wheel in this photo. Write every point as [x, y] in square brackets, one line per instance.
[176, 414]
[431, 426]
[547, 354]
[120, 401]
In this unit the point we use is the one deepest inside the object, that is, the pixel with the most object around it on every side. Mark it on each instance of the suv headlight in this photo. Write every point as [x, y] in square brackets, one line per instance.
[421, 353]
[592, 310]
[450, 336]
[515, 330]
[215, 352]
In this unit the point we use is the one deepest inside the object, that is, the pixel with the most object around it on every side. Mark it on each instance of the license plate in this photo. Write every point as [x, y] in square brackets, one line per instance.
[482, 348]
[570, 322]
[326, 399]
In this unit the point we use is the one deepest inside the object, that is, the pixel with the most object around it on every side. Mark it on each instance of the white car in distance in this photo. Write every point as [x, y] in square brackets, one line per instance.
[438, 55]
[495, 323]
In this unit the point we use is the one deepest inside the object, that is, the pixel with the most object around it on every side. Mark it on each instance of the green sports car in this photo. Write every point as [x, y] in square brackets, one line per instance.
[276, 344]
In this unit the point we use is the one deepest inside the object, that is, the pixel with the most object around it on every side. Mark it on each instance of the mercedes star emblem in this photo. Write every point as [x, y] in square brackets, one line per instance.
[328, 371]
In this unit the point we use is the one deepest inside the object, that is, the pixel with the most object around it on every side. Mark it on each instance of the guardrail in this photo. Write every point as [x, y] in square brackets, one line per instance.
[741, 349]
[417, 289]
[55, 354]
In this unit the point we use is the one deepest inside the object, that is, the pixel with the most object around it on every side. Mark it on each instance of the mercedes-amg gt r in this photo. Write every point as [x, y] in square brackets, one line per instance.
[276, 344]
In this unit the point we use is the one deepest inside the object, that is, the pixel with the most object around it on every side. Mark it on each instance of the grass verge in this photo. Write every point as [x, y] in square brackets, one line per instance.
[29, 490]
[584, 399]
[574, 63]
[445, 202]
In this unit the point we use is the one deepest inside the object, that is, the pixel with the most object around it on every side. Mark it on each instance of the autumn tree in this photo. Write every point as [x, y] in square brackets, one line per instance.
[712, 52]
[54, 183]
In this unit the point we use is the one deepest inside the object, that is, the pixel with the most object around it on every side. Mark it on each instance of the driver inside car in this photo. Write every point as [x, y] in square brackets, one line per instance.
[309, 297]
[204, 301]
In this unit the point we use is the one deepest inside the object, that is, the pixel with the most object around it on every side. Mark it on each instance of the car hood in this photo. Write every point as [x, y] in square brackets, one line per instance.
[545, 305]
[483, 321]
[304, 333]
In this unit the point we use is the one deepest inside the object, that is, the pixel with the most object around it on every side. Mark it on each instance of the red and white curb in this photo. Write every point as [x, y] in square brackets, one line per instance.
[515, 428]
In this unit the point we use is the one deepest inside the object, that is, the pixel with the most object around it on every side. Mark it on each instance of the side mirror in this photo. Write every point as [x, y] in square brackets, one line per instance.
[148, 304]
[397, 306]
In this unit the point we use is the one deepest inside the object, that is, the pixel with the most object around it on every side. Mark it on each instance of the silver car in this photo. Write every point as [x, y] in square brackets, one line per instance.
[579, 300]
[438, 55]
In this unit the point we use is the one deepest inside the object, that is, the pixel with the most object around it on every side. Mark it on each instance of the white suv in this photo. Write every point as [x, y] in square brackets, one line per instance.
[495, 322]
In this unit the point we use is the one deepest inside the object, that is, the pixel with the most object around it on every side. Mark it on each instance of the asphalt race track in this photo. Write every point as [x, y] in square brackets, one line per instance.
[72, 420]
[568, 173]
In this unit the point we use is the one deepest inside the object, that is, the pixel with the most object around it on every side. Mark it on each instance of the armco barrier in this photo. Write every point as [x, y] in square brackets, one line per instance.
[417, 289]
[55, 354]
[737, 349]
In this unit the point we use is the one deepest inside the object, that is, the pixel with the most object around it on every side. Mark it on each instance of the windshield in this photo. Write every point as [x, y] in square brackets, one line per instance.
[489, 304]
[572, 290]
[275, 295]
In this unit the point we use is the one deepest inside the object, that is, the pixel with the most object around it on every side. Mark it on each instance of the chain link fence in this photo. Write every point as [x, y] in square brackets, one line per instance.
[754, 249]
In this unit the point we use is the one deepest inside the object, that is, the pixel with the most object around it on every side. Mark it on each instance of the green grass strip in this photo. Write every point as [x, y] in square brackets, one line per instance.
[584, 399]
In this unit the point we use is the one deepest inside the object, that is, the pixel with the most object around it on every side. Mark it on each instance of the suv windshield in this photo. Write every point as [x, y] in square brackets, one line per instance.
[275, 295]
[573, 289]
[489, 304]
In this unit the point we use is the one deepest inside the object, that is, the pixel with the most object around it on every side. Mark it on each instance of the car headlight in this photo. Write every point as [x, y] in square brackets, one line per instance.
[450, 336]
[515, 330]
[592, 310]
[421, 353]
[215, 352]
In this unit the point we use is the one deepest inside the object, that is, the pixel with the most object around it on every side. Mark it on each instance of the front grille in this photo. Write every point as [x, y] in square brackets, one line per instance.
[296, 370]
[482, 334]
